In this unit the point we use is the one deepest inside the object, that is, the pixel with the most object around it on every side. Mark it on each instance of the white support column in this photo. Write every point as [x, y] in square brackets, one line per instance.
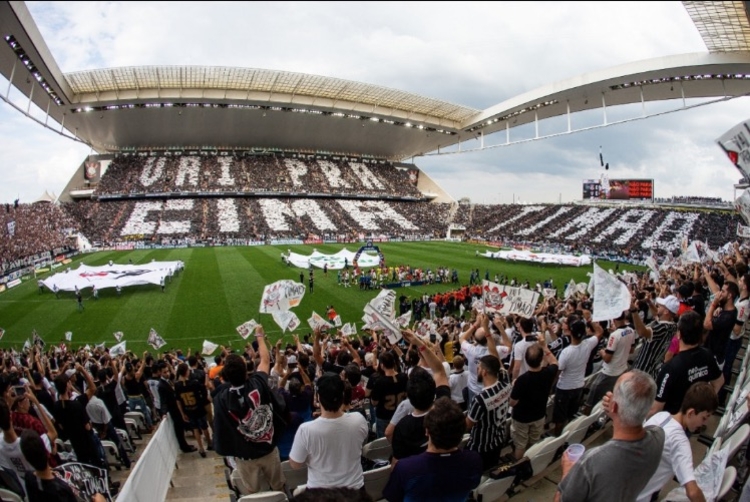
[49, 102]
[536, 124]
[31, 97]
[10, 80]
[643, 103]
[567, 106]
[481, 140]
[682, 92]
[507, 132]
[604, 109]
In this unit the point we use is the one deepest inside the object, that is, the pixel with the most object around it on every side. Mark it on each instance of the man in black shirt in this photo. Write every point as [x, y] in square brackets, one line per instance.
[191, 399]
[42, 485]
[72, 420]
[529, 397]
[422, 389]
[693, 363]
[168, 401]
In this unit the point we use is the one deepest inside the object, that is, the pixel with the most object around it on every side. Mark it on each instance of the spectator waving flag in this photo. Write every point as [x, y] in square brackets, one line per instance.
[101, 346]
[11, 228]
[286, 320]
[26, 344]
[118, 349]
[611, 296]
[155, 340]
[69, 336]
[209, 348]
[246, 329]
[38, 339]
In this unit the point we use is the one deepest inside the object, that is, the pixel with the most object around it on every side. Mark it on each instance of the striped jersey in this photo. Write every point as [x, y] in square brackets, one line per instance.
[489, 412]
[651, 356]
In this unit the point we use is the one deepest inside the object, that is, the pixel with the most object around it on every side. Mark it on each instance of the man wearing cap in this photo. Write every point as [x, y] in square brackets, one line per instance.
[331, 445]
[657, 335]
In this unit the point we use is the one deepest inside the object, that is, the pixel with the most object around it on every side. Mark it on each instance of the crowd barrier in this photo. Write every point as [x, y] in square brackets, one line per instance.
[150, 477]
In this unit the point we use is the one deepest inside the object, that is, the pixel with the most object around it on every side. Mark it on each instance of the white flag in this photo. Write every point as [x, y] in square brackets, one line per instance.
[118, 335]
[337, 321]
[349, 329]
[570, 290]
[692, 254]
[281, 296]
[69, 336]
[404, 320]
[611, 296]
[209, 348]
[317, 321]
[390, 329]
[155, 340]
[2, 332]
[385, 303]
[286, 320]
[118, 349]
[246, 329]
[11, 228]
[27, 344]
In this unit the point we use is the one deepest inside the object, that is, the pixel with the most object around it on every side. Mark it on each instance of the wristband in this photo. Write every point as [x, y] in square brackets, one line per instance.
[259, 335]
[422, 348]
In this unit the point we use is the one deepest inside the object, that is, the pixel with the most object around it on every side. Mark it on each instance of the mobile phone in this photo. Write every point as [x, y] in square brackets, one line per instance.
[20, 390]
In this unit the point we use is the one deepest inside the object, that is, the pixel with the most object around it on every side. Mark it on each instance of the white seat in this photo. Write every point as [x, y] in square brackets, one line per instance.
[294, 477]
[9, 496]
[577, 429]
[375, 481]
[542, 453]
[464, 440]
[125, 438]
[736, 440]
[113, 456]
[132, 427]
[139, 419]
[727, 480]
[379, 449]
[298, 490]
[550, 410]
[493, 489]
[265, 497]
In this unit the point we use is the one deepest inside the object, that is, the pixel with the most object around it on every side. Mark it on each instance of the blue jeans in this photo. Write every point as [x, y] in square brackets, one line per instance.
[137, 403]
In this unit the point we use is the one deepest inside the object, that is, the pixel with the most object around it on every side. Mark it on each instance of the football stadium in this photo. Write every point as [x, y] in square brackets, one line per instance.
[281, 221]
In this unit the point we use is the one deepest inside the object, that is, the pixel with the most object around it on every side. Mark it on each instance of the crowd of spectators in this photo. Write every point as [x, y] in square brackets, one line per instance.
[693, 200]
[33, 232]
[133, 175]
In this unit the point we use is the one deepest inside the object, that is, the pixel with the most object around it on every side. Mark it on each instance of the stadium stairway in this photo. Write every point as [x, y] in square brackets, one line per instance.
[198, 479]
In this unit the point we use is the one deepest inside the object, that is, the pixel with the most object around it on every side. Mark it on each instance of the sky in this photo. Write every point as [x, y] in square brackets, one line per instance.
[473, 54]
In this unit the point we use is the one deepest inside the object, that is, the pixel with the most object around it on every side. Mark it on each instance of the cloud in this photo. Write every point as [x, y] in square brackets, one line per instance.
[474, 53]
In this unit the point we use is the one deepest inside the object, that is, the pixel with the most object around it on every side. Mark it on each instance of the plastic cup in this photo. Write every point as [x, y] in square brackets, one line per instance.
[575, 452]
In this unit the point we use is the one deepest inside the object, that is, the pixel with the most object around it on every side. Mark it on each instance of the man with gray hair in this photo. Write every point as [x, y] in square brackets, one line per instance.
[623, 466]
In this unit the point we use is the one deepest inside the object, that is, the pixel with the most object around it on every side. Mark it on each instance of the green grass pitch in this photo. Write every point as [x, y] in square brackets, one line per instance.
[220, 289]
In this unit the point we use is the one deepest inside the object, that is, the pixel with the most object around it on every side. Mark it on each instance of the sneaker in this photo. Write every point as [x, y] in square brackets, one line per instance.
[202, 453]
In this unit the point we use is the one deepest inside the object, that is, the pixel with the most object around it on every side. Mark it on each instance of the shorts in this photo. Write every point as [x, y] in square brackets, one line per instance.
[566, 406]
[526, 434]
[197, 423]
[602, 385]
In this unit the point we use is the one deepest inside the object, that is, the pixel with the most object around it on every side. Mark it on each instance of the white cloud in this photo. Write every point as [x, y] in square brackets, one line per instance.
[472, 53]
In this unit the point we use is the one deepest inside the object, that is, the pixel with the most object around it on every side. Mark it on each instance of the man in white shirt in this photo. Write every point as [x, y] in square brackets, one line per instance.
[615, 357]
[331, 445]
[518, 364]
[677, 459]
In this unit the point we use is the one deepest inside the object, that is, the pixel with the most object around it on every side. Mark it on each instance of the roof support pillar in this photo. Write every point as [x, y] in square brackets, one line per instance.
[682, 92]
[536, 124]
[567, 112]
[507, 132]
[604, 109]
[31, 97]
[46, 117]
[10, 80]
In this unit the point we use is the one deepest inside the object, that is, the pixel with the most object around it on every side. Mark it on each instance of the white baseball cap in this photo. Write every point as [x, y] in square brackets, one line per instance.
[671, 303]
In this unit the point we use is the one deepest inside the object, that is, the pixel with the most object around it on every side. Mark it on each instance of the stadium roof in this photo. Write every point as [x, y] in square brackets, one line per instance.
[187, 107]
[724, 26]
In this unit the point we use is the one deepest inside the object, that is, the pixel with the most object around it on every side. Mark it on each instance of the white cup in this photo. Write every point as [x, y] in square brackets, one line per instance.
[575, 452]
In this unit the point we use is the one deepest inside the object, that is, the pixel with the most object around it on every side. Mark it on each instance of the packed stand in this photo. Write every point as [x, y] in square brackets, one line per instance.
[130, 175]
[33, 232]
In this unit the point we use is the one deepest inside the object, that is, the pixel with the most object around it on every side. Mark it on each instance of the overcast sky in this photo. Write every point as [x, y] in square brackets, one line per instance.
[474, 54]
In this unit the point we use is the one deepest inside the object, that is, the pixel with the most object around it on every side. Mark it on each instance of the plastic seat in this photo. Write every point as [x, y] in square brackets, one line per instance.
[736, 440]
[379, 449]
[113, 456]
[139, 419]
[132, 427]
[493, 489]
[577, 429]
[727, 480]
[9, 496]
[265, 497]
[125, 439]
[464, 441]
[375, 481]
[294, 477]
[543, 453]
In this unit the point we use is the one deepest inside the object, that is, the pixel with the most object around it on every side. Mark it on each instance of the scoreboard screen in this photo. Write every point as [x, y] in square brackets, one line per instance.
[618, 189]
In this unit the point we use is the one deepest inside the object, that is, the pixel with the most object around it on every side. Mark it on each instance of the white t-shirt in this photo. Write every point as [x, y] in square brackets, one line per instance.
[519, 354]
[473, 354]
[572, 364]
[743, 312]
[332, 450]
[619, 343]
[457, 383]
[676, 459]
[12, 458]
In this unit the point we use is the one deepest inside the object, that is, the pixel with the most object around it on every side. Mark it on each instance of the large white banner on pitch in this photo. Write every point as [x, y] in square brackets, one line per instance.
[334, 261]
[111, 276]
[557, 259]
